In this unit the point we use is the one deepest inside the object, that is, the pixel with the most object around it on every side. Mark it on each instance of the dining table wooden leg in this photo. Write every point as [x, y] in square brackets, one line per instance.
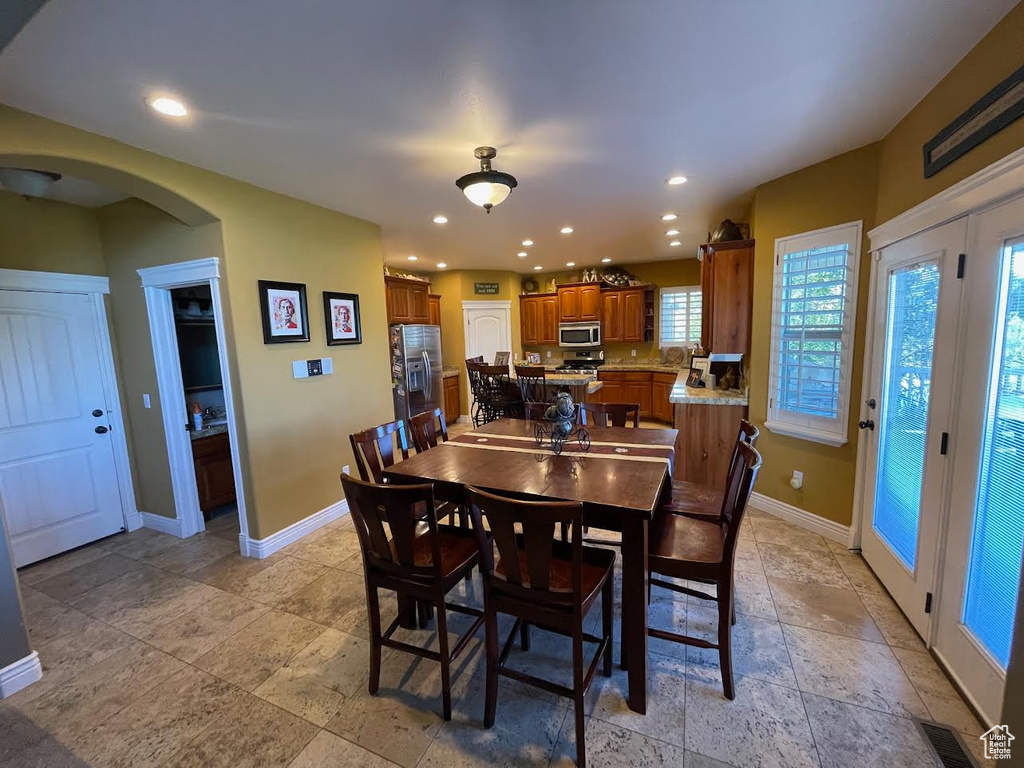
[407, 611]
[634, 609]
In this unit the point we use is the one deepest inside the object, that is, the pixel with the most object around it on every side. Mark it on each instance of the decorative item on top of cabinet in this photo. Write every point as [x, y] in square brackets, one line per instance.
[215, 479]
[727, 283]
[452, 403]
[579, 301]
[407, 300]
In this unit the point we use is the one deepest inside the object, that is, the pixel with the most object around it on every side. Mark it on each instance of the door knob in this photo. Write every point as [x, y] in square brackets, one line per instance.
[871, 403]
[97, 412]
[100, 430]
[869, 424]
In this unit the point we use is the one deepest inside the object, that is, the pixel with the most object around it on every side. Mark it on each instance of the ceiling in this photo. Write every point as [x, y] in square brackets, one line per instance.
[374, 109]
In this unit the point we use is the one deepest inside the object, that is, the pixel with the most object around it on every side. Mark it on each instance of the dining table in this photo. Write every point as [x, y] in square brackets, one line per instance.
[621, 478]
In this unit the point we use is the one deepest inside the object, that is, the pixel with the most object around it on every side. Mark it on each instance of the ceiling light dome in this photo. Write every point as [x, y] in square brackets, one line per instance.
[27, 182]
[486, 187]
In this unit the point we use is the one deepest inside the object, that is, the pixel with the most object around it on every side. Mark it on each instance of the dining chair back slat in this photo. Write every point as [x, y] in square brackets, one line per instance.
[532, 383]
[374, 449]
[427, 428]
[612, 414]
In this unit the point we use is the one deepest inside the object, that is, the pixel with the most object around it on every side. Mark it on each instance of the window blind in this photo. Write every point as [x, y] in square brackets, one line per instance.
[680, 316]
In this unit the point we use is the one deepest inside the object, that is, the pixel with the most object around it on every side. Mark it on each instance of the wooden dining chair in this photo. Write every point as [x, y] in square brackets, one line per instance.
[427, 429]
[532, 380]
[611, 414]
[699, 500]
[683, 547]
[544, 582]
[374, 449]
[416, 557]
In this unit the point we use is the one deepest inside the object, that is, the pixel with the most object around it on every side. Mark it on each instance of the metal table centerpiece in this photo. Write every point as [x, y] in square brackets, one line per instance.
[561, 424]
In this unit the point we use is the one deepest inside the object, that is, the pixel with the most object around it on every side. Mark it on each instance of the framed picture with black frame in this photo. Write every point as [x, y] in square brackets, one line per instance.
[341, 318]
[284, 312]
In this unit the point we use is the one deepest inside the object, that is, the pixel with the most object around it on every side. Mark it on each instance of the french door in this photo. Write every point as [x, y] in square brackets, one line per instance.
[916, 307]
[982, 567]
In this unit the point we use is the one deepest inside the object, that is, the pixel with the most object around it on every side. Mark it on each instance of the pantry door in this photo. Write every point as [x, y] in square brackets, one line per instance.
[982, 570]
[907, 413]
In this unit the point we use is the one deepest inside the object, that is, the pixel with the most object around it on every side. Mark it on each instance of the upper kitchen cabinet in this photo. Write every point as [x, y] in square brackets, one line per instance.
[627, 315]
[611, 316]
[434, 308]
[579, 302]
[727, 283]
[408, 301]
[538, 314]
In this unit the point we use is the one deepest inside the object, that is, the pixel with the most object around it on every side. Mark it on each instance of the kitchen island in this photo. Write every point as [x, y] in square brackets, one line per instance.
[708, 421]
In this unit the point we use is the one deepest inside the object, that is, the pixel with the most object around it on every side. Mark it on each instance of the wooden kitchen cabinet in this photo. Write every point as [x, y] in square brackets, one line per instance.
[538, 318]
[215, 479]
[579, 302]
[648, 388]
[633, 315]
[661, 389]
[727, 284]
[434, 309]
[611, 317]
[529, 319]
[407, 300]
[706, 437]
[548, 330]
[452, 402]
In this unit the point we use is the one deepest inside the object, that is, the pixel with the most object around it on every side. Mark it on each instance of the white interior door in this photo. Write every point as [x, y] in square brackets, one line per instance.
[58, 482]
[982, 569]
[488, 328]
[916, 308]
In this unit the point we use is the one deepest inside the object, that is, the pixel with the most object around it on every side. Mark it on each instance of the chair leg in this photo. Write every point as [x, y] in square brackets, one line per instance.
[491, 649]
[725, 640]
[734, 612]
[442, 642]
[577, 690]
[607, 619]
[524, 635]
[373, 609]
[425, 612]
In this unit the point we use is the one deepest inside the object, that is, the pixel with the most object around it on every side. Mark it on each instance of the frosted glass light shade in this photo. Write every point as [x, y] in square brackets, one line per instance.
[486, 193]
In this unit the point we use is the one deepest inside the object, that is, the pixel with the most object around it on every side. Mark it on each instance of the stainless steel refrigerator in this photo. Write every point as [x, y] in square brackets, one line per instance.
[416, 369]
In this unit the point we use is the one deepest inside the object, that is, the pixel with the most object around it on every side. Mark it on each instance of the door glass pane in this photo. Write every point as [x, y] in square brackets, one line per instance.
[913, 298]
[993, 576]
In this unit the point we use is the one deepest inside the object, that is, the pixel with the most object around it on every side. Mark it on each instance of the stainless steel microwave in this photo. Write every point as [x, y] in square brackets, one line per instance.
[579, 334]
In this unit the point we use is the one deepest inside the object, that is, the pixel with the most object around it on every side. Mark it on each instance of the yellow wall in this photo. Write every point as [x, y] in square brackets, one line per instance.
[47, 235]
[901, 182]
[294, 433]
[664, 274]
[137, 235]
[837, 191]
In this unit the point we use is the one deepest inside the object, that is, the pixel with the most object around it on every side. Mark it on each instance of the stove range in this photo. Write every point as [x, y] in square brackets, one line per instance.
[581, 369]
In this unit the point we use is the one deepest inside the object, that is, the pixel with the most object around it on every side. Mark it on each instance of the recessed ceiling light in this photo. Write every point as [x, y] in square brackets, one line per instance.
[527, 242]
[672, 232]
[169, 107]
[566, 230]
[674, 243]
[675, 181]
[606, 261]
[669, 217]
[522, 254]
[413, 258]
[441, 265]
[538, 268]
[570, 263]
[440, 219]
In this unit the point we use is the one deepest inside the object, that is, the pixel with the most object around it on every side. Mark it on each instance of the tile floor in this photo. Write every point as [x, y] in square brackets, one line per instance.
[163, 652]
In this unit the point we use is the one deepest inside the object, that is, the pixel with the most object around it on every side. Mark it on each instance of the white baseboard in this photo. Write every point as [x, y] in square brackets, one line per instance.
[261, 548]
[465, 419]
[132, 521]
[801, 518]
[20, 674]
[171, 525]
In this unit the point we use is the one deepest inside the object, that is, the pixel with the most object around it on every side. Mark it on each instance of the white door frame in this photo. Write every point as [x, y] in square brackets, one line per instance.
[157, 283]
[95, 287]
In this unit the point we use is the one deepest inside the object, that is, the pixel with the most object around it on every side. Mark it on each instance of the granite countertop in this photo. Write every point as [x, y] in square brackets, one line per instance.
[643, 366]
[205, 432]
[703, 396]
[449, 371]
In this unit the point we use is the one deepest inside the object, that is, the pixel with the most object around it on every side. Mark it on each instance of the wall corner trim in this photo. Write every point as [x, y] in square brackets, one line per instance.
[801, 518]
[21, 674]
[261, 548]
[171, 525]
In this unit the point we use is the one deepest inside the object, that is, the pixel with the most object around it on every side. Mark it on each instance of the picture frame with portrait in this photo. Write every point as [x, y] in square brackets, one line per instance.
[341, 318]
[284, 313]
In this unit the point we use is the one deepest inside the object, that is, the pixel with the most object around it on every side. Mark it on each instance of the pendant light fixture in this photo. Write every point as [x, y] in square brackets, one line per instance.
[486, 187]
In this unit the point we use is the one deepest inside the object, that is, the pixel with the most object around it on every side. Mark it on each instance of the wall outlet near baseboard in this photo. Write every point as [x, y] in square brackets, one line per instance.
[797, 482]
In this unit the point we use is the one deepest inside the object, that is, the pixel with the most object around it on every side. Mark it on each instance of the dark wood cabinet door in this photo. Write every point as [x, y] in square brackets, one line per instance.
[661, 389]
[434, 309]
[633, 315]
[638, 392]
[548, 322]
[707, 290]
[706, 437]
[452, 404]
[398, 303]
[529, 308]
[589, 302]
[731, 301]
[215, 479]
[568, 305]
[611, 317]
[419, 310]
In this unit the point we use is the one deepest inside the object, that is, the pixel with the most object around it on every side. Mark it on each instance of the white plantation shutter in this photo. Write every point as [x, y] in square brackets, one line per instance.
[680, 316]
[813, 313]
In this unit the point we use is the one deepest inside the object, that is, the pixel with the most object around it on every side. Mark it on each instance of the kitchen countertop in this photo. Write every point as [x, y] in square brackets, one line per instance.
[620, 367]
[703, 396]
[449, 371]
[220, 429]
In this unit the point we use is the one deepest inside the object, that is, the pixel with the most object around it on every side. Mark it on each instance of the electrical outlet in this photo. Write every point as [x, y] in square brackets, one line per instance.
[549, 353]
[798, 479]
[145, 401]
[632, 352]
